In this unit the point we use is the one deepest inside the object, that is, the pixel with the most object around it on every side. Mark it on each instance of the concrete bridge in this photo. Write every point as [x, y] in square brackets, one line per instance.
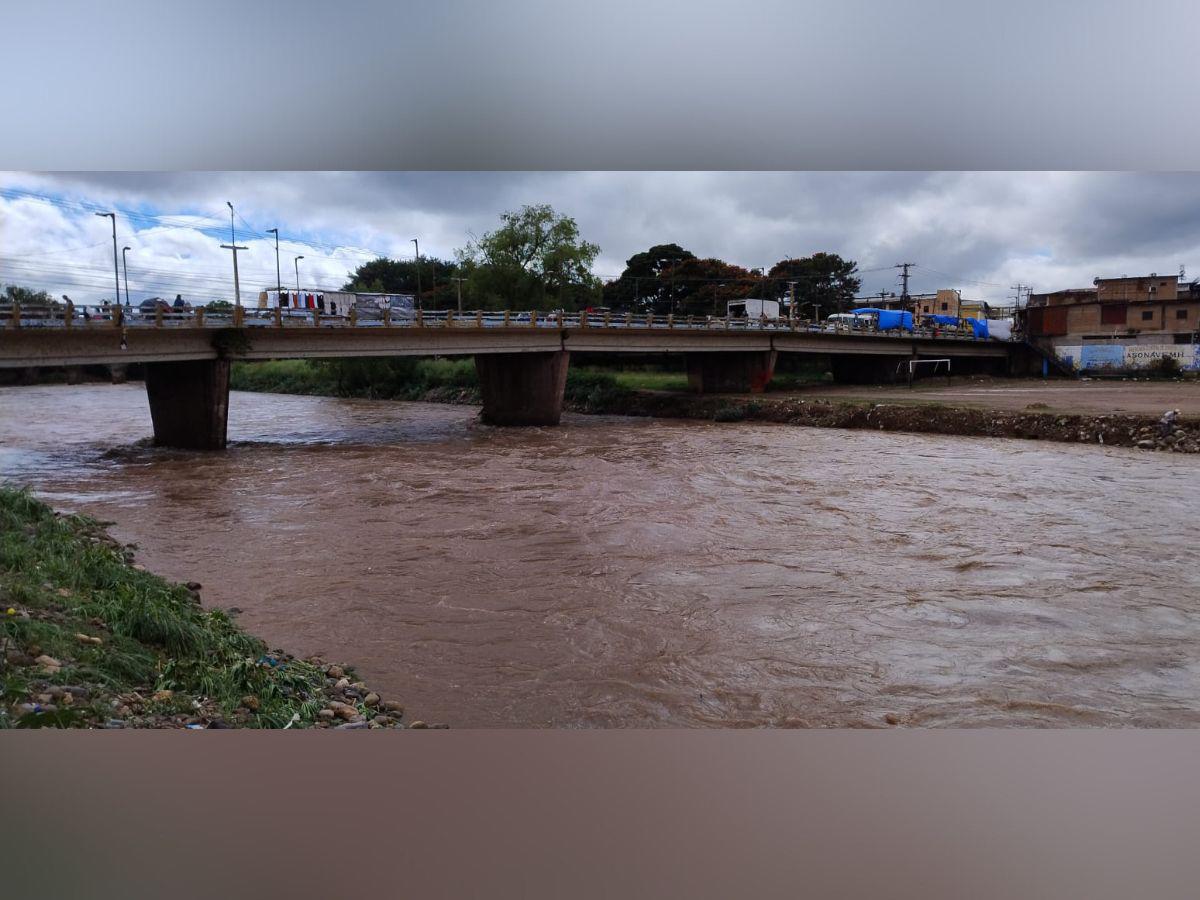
[521, 358]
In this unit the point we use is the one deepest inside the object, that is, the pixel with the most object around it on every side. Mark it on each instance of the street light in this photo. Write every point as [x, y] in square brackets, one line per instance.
[417, 265]
[116, 274]
[278, 280]
[297, 263]
[125, 268]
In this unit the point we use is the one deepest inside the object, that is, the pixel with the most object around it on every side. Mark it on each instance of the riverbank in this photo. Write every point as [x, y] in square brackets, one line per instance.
[884, 409]
[1121, 430]
[89, 639]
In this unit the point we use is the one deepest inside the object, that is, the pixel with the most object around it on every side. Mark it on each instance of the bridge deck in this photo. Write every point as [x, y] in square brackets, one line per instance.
[262, 334]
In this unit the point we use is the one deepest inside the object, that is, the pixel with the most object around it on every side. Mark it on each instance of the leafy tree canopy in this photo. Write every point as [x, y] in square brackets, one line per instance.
[26, 296]
[644, 285]
[394, 276]
[536, 259]
[823, 278]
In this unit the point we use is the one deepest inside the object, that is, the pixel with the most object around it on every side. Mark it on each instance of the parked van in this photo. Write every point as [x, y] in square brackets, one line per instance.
[845, 321]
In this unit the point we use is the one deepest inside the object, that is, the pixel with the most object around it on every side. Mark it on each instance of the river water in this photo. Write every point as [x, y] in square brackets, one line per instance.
[633, 572]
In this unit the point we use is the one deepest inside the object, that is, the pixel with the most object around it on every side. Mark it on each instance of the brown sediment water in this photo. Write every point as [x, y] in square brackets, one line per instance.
[640, 572]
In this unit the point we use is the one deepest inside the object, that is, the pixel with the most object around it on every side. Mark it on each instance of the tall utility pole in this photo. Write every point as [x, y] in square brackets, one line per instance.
[417, 266]
[233, 245]
[116, 274]
[904, 283]
[125, 268]
[458, 283]
[791, 299]
[296, 262]
[278, 280]
[1019, 289]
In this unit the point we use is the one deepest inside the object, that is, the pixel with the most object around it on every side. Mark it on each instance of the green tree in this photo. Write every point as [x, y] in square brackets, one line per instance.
[15, 293]
[536, 259]
[703, 287]
[643, 287]
[823, 278]
[394, 276]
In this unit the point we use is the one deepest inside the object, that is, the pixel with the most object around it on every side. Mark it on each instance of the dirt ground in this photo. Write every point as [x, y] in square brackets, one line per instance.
[1061, 396]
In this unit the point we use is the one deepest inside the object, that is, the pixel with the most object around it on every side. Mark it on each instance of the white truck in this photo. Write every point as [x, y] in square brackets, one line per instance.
[752, 308]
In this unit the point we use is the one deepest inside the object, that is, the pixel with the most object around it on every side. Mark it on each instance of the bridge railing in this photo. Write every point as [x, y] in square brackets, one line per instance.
[69, 315]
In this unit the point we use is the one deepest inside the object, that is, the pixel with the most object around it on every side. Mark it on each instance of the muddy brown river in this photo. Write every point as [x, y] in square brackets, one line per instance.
[631, 572]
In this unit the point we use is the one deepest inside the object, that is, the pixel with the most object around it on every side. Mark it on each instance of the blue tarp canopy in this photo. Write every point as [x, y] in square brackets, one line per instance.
[943, 320]
[889, 319]
[978, 327]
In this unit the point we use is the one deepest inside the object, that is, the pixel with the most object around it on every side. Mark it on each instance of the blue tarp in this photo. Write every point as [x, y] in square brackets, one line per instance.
[978, 327]
[943, 320]
[889, 319]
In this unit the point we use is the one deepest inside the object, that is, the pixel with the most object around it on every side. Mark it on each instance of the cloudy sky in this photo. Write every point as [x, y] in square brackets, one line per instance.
[978, 232]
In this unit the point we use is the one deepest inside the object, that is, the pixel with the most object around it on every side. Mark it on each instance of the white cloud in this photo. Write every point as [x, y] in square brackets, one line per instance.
[980, 232]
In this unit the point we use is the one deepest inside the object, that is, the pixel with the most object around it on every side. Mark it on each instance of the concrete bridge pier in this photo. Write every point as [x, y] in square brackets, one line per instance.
[731, 372]
[522, 388]
[189, 403]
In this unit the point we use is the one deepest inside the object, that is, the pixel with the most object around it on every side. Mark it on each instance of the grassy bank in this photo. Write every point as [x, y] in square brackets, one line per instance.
[455, 380]
[89, 639]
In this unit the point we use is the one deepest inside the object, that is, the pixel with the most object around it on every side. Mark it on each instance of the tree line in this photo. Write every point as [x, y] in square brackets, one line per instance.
[537, 259]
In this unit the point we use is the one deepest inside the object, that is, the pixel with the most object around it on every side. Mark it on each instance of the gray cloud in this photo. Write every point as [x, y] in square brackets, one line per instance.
[979, 232]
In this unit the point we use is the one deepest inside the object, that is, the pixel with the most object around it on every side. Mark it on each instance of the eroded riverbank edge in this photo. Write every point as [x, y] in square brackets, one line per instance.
[90, 639]
[1109, 429]
[1114, 429]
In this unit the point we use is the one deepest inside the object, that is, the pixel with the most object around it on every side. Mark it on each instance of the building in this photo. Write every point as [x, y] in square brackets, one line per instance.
[1119, 323]
[943, 303]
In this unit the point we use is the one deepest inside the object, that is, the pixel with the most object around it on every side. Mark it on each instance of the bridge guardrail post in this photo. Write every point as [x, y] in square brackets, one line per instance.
[607, 320]
[506, 318]
[420, 318]
[628, 320]
[583, 319]
[352, 316]
[670, 320]
[387, 317]
[199, 316]
[278, 317]
[649, 320]
[14, 313]
[533, 318]
[157, 315]
[560, 318]
[69, 315]
[479, 318]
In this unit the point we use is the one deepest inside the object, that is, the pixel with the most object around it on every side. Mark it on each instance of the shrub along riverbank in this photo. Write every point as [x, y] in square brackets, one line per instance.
[90, 639]
[589, 389]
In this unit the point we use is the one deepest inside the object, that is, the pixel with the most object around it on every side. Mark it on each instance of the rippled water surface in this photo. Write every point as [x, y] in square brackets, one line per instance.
[625, 572]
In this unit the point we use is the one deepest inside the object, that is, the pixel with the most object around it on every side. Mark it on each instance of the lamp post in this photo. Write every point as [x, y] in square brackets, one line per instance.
[116, 274]
[278, 280]
[125, 269]
[417, 266]
[297, 264]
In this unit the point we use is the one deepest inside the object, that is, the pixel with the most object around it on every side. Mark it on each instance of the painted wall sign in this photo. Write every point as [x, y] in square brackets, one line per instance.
[1127, 357]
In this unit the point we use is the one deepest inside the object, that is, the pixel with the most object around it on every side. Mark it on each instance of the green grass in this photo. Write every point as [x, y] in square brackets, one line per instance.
[61, 577]
[588, 387]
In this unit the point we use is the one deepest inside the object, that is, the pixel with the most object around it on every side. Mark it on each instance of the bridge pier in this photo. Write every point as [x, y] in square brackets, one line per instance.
[189, 403]
[731, 372]
[522, 388]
